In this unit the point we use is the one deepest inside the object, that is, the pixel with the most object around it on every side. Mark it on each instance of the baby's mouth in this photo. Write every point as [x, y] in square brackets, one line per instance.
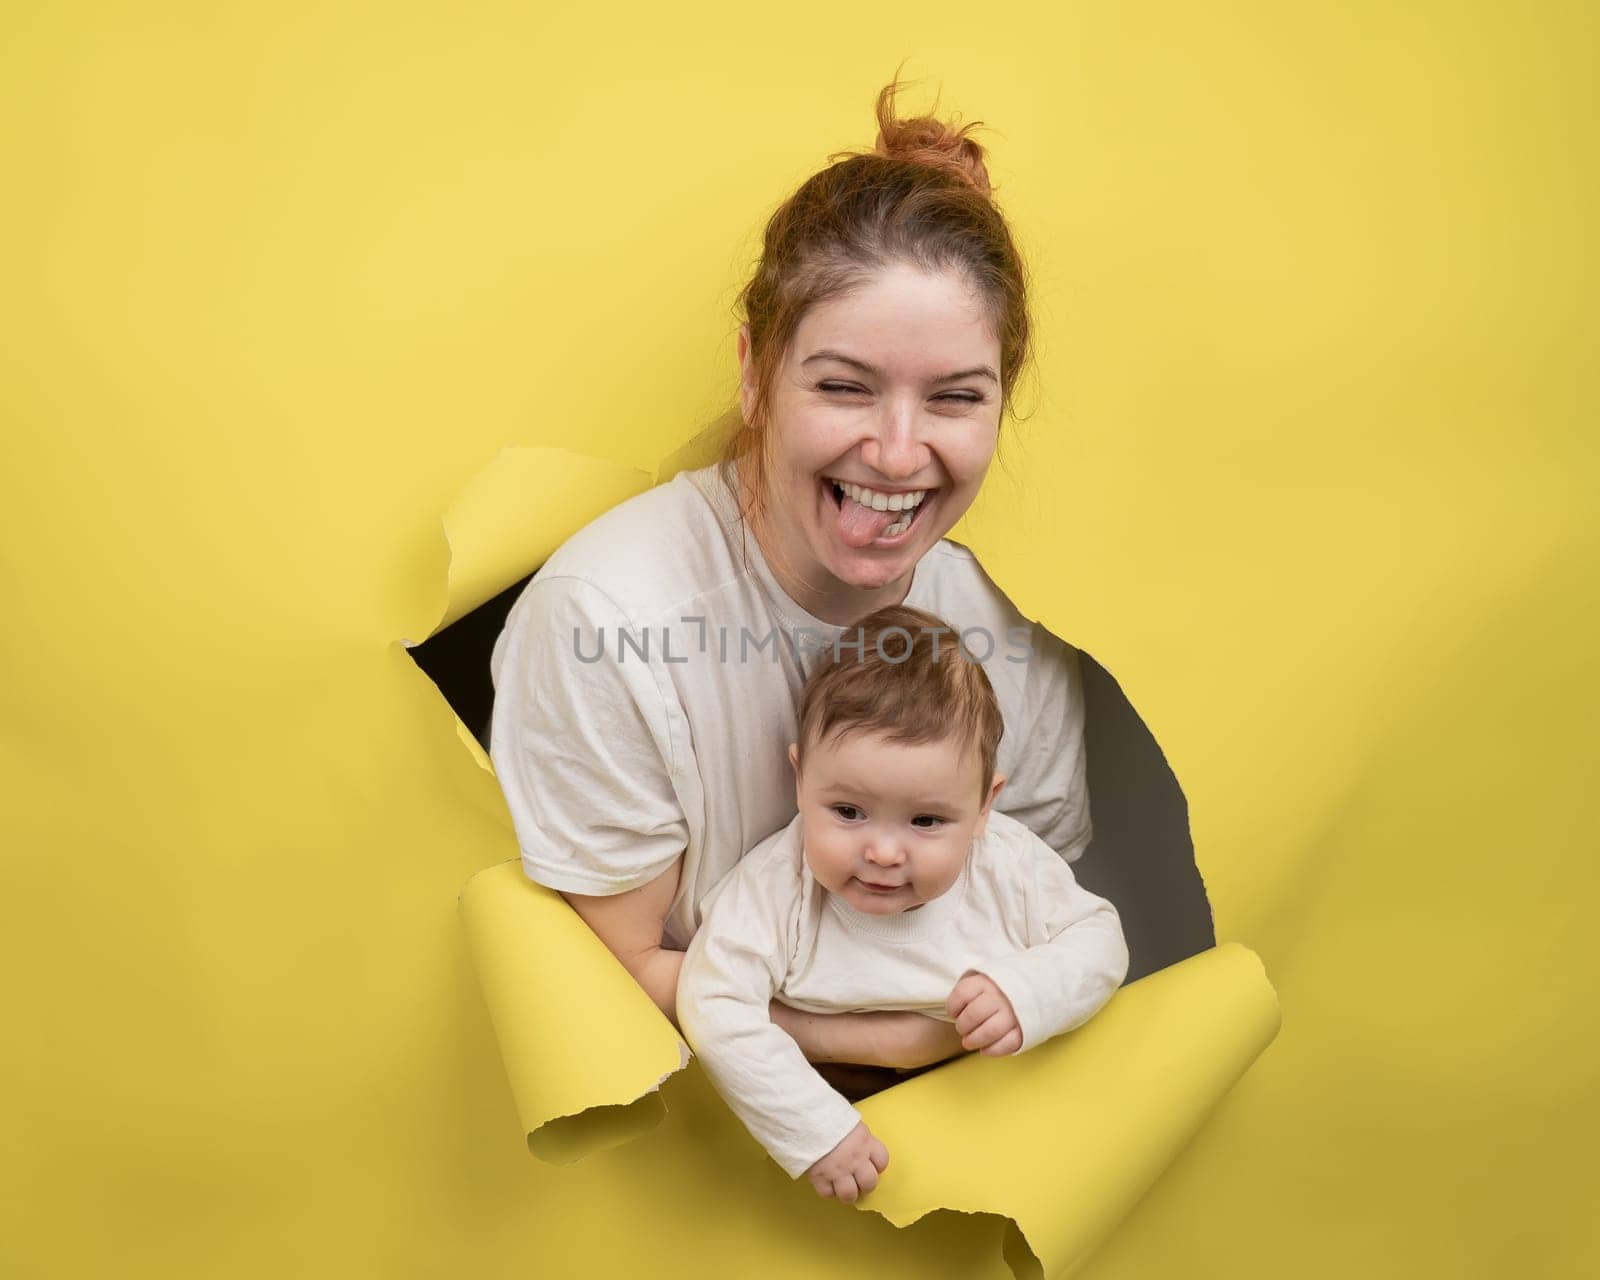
[868, 515]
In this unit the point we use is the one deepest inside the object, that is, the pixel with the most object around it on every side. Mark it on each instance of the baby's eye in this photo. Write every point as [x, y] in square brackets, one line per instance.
[847, 811]
[928, 821]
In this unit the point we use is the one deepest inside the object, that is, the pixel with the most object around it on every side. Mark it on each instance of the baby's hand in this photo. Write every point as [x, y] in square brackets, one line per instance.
[852, 1167]
[984, 1016]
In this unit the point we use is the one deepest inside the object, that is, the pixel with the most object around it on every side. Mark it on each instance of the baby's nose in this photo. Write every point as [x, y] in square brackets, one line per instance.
[885, 853]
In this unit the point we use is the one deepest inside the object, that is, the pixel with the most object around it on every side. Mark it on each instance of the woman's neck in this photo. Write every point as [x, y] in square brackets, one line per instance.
[816, 590]
[837, 603]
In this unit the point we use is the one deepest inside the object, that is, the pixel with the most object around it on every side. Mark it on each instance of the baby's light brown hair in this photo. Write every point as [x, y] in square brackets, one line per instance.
[901, 672]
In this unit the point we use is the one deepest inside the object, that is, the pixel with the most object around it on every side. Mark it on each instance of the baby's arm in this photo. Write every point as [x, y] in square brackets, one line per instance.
[733, 968]
[1061, 981]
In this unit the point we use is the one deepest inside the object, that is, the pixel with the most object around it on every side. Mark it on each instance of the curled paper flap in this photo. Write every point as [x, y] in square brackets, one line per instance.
[546, 978]
[1063, 1140]
[507, 519]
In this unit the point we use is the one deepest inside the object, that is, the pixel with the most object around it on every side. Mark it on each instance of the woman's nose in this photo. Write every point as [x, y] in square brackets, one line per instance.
[895, 449]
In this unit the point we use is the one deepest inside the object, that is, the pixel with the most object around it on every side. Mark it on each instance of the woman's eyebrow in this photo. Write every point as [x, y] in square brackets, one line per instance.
[977, 371]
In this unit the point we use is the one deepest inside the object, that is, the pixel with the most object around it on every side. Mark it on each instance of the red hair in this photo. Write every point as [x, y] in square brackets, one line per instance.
[921, 196]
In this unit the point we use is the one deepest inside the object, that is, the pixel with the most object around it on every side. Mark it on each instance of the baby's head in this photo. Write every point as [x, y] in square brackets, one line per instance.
[895, 766]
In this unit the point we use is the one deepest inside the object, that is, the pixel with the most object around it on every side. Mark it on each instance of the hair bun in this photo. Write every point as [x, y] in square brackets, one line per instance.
[930, 141]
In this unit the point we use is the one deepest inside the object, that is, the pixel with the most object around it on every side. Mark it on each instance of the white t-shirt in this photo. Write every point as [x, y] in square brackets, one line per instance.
[1016, 914]
[646, 688]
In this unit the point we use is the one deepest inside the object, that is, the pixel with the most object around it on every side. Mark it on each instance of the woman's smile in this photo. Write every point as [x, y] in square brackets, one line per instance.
[871, 517]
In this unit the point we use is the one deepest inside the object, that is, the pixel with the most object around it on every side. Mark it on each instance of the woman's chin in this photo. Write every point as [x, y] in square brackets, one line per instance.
[874, 573]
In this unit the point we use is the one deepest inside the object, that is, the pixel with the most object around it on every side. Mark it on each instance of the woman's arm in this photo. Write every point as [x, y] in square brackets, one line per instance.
[902, 1040]
[631, 925]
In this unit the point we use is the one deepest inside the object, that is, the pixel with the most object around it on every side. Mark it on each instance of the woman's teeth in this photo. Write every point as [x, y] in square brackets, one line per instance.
[883, 501]
[907, 502]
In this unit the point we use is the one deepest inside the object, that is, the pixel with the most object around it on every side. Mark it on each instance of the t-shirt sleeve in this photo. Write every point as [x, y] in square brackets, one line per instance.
[582, 740]
[735, 964]
[1077, 957]
[1049, 790]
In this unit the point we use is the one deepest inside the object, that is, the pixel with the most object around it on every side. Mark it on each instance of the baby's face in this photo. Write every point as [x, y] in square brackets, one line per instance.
[887, 826]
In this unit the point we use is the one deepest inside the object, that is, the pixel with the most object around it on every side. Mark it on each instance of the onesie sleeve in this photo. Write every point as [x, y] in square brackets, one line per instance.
[735, 964]
[1049, 789]
[582, 741]
[1076, 958]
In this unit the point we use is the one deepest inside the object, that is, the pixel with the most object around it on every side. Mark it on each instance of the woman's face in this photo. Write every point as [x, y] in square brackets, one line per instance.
[889, 397]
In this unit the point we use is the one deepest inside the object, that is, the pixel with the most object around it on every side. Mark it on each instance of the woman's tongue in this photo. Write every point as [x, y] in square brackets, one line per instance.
[859, 526]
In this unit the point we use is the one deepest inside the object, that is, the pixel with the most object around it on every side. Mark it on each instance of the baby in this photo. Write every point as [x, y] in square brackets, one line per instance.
[896, 886]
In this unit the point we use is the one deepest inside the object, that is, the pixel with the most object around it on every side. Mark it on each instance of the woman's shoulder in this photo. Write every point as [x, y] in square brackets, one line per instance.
[952, 584]
[654, 551]
[951, 581]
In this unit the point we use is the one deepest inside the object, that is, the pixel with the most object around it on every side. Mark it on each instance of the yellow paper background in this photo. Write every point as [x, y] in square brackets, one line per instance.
[1309, 470]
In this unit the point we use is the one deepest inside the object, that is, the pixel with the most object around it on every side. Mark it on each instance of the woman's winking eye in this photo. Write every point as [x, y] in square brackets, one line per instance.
[956, 397]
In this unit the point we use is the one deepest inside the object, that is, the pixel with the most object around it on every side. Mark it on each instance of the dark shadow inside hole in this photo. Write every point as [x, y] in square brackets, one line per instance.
[1141, 857]
[457, 660]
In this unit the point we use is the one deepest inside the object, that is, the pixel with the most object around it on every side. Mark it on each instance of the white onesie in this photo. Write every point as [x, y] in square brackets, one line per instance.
[1015, 914]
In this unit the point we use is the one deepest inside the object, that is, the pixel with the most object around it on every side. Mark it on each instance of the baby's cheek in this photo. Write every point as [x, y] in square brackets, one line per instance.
[827, 865]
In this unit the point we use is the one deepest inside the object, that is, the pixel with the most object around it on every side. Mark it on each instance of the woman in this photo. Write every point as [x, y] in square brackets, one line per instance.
[647, 677]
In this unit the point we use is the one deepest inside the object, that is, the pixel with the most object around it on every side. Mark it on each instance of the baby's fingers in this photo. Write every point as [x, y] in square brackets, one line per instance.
[962, 993]
[988, 1031]
[844, 1187]
[979, 1011]
[878, 1154]
[866, 1175]
[1008, 1043]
